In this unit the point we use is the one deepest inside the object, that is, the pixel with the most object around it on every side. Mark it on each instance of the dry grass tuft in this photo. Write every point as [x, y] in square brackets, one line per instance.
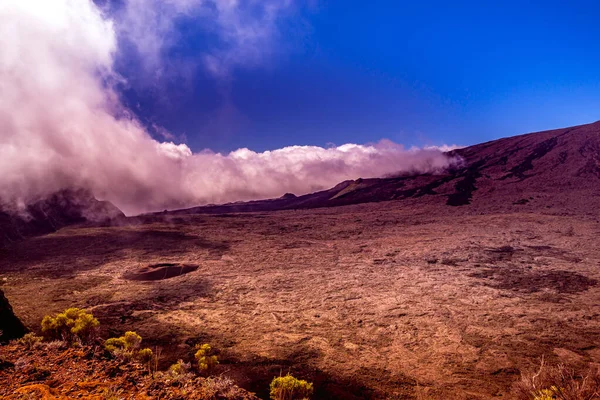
[558, 382]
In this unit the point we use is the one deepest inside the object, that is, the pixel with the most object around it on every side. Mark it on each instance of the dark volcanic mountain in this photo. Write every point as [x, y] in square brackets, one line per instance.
[557, 168]
[63, 208]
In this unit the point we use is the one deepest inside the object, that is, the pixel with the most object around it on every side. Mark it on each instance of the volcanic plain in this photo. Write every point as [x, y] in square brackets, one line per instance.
[372, 300]
[446, 286]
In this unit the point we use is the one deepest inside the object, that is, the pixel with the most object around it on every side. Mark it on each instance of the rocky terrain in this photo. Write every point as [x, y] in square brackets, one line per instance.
[51, 371]
[441, 286]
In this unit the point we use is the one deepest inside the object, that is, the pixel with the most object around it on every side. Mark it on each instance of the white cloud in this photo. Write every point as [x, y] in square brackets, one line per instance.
[61, 125]
[246, 31]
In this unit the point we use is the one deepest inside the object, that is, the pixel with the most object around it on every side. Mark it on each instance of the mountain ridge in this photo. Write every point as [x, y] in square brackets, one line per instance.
[504, 172]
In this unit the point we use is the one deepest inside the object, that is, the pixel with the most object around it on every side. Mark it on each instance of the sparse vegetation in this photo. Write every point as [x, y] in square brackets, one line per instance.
[179, 373]
[72, 325]
[113, 345]
[31, 340]
[179, 368]
[96, 372]
[515, 278]
[127, 347]
[146, 357]
[206, 360]
[289, 388]
[220, 387]
[558, 382]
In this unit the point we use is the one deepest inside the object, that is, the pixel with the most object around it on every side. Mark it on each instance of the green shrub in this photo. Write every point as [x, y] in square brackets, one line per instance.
[289, 388]
[145, 355]
[206, 361]
[132, 340]
[127, 347]
[73, 324]
[113, 345]
[545, 394]
[30, 340]
[128, 343]
[179, 368]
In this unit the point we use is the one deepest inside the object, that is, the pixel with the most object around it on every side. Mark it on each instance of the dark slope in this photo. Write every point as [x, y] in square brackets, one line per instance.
[47, 215]
[10, 326]
[544, 169]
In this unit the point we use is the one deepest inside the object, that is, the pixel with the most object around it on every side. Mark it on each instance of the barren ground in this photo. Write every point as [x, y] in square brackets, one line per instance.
[379, 300]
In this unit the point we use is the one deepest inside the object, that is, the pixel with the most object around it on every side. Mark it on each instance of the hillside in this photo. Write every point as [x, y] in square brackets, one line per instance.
[536, 170]
[63, 208]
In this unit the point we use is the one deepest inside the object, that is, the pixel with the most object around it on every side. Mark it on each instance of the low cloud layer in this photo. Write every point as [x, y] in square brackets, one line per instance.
[62, 125]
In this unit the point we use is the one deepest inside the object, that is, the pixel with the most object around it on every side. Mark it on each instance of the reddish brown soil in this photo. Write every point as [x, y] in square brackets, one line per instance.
[48, 372]
[448, 291]
[377, 300]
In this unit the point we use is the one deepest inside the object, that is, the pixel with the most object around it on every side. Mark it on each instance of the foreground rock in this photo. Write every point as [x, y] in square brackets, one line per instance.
[10, 326]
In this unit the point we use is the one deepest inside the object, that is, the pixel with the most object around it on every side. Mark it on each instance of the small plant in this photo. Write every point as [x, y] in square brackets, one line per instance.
[114, 345]
[127, 347]
[179, 368]
[132, 340]
[219, 387]
[73, 324]
[31, 340]
[128, 343]
[289, 388]
[206, 360]
[180, 373]
[146, 357]
[558, 383]
[545, 394]
[112, 393]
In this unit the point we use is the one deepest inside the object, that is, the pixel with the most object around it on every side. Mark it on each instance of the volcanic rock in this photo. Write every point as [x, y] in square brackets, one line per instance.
[10, 326]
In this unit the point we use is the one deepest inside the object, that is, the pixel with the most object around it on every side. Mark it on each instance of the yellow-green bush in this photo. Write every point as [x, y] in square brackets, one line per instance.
[289, 388]
[128, 343]
[114, 344]
[132, 340]
[30, 340]
[72, 324]
[145, 355]
[206, 360]
[545, 394]
[179, 368]
[128, 347]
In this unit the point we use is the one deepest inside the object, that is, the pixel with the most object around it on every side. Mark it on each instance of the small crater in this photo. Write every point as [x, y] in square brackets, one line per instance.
[158, 272]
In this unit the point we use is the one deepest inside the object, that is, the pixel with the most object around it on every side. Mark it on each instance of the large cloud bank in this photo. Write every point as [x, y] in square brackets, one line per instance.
[62, 124]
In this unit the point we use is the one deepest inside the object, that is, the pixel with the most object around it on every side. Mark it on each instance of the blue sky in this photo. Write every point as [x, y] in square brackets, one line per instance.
[417, 73]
